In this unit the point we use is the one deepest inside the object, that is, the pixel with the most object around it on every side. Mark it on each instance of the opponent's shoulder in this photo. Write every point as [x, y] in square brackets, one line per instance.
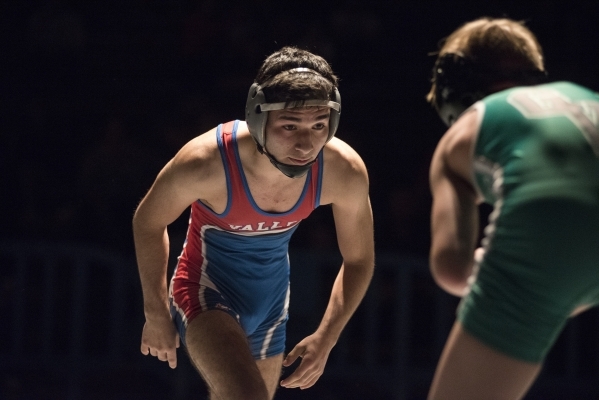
[455, 150]
[461, 135]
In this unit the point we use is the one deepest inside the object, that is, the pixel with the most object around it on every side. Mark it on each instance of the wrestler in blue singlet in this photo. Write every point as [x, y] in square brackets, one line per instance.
[237, 261]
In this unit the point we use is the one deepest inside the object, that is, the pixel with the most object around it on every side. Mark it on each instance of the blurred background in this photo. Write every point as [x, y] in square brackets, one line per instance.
[98, 96]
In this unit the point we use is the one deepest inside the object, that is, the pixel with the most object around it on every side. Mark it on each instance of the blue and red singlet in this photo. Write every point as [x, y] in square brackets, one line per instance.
[237, 261]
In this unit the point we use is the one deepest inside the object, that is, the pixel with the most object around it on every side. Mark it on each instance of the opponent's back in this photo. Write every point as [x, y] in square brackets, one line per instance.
[536, 142]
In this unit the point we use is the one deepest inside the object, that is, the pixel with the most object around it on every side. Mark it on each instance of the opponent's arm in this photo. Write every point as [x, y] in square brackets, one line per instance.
[454, 215]
[174, 189]
[354, 226]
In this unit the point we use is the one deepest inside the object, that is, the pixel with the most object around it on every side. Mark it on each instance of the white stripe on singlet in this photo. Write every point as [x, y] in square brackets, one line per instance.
[271, 330]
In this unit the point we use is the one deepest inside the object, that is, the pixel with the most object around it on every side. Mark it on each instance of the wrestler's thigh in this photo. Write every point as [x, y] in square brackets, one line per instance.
[470, 370]
[271, 369]
[218, 347]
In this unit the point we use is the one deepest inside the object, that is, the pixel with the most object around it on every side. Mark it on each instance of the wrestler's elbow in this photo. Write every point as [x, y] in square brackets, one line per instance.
[450, 271]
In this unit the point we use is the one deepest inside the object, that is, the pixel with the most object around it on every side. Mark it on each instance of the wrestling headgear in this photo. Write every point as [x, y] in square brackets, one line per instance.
[256, 115]
[460, 82]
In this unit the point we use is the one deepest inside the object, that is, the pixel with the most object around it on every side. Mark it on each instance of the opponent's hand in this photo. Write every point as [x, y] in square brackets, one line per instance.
[314, 351]
[160, 339]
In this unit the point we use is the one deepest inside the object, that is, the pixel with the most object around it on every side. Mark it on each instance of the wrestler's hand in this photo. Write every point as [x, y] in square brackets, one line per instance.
[160, 339]
[314, 351]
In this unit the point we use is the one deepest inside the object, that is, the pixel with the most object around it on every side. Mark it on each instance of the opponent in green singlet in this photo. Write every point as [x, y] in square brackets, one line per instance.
[531, 150]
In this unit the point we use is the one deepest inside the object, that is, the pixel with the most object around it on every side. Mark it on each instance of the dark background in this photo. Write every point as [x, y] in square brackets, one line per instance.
[98, 96]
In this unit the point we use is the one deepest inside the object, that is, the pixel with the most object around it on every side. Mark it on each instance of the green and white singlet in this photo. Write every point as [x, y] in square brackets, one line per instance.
[536, 160]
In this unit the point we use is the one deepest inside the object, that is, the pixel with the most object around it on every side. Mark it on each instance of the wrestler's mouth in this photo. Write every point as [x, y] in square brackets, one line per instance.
[298, 161]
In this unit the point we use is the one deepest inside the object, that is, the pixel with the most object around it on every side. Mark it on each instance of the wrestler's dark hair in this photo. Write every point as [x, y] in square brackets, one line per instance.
[291, 78]
[279, 87]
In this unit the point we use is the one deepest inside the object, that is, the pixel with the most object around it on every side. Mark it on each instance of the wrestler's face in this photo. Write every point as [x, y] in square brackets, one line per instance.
[295, 136]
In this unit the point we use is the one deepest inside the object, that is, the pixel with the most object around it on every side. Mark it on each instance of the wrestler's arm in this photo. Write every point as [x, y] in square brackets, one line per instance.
[454, 215]
[177, 185]
[348, 192]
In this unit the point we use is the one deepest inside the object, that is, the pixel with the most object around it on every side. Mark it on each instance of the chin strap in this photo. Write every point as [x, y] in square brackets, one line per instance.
[292, 171]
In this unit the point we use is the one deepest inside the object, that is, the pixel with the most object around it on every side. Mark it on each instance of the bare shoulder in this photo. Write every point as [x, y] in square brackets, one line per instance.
[199, 149]
[462, 134]
[341, 158]
[190, 175]
[199, 157]
[196, 171]
[344, 172]
[456, 147]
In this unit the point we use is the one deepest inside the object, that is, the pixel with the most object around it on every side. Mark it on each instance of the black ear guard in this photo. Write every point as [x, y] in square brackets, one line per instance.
[256, 111]
[460, 82]
[457, 86]
[256, 115]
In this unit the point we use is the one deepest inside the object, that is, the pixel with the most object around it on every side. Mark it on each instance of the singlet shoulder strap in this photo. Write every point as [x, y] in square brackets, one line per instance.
[224, 136]
[228, 127]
